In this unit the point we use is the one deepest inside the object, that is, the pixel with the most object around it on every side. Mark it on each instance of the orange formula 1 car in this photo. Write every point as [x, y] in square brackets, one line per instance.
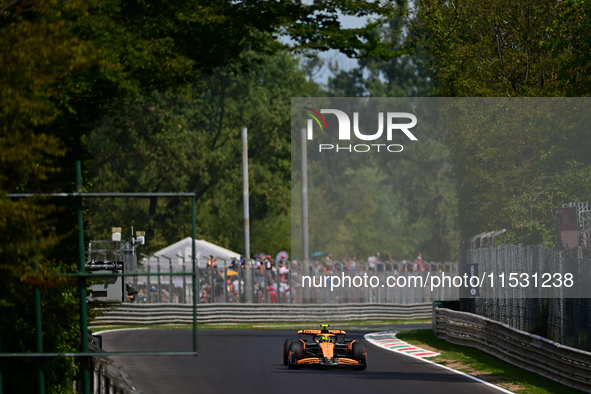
[324, 348]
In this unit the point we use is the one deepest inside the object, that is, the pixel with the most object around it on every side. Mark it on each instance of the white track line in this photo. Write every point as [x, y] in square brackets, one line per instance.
[374, 342]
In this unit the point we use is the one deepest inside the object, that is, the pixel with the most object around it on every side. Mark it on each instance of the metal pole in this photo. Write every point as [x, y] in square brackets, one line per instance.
[184, 301]
[305, 246]
[252, 287]
[266, 285]
[194, 276]
[149, 286]
[38, 333]
[248, 283]
[148, 280]
[170, 284]
[169, 278]
[212, 281]
[159, 281]
[289, 285]
[82, 284]
[277, 283]
[240, 276]
[225, 281]
[244, 135]
[1, 384]
[245, 204]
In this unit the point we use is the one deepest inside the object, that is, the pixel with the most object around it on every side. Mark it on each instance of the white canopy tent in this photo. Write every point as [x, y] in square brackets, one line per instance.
[177, 254]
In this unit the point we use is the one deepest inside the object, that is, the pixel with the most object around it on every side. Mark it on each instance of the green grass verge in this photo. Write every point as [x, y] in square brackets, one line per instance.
[475, 360]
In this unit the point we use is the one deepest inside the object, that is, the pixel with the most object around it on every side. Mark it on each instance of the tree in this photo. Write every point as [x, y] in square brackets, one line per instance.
[166, 142]
[532, 212]
[490, 159]
[404, 74]
[515, 161]
[364, 202]
[561, 173]
[37, 52]
[511, 159]
[568, 40]
[488, 48]
[66, 64]
[418, 185]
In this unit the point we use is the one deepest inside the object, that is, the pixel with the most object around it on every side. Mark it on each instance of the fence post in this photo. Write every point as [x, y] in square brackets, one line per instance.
[436, 304]
[195, 276]
[82, 284]
[38, 333]
[159, 283]
[248, 282]
[184, 283]
[1, 384]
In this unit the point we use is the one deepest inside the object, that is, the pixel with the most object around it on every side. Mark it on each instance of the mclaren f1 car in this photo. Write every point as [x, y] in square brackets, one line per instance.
[324, 348]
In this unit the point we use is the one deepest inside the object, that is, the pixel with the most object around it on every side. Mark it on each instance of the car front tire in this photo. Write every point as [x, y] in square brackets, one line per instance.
[296, 350]
[359, 353]
[286, 346]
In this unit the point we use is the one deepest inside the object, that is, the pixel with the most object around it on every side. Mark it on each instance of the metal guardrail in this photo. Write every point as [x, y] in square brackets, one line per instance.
[563, 364]
[108, 377]
[156, 314]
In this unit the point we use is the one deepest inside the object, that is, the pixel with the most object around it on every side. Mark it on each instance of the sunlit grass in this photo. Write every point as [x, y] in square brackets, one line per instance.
[475, 360]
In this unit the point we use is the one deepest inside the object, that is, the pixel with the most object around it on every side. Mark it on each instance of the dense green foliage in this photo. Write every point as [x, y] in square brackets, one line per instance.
[569, 40]
[71, 67]
[191, 141]
[37, 52]
[513, 168]
[502, 169]
[414, 192]
[392, 203]
[517, 161]
[489, 49]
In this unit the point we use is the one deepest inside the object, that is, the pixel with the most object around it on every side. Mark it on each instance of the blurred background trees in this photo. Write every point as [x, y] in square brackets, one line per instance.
[78, 78]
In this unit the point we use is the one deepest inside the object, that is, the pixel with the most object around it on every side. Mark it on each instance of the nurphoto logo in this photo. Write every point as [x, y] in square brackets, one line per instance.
[393, 124]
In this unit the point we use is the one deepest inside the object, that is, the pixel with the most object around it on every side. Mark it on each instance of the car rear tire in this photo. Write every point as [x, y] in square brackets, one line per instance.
[296, 350]
[286, 346]
[359, 353]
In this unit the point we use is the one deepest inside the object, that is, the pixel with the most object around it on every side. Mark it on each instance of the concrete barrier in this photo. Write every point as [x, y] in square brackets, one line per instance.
[157, 314]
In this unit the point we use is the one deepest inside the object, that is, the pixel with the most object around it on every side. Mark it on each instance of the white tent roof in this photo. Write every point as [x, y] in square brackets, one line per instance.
[184, 248]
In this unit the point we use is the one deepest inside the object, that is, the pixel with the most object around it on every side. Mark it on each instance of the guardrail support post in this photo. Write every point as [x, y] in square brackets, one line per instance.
[436, 304]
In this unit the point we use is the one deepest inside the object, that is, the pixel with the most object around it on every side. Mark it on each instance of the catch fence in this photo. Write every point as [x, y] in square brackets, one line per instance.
[566, 320]
[156, 282]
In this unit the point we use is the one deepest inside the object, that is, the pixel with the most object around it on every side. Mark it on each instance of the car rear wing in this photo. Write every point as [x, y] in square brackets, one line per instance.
[318, 332]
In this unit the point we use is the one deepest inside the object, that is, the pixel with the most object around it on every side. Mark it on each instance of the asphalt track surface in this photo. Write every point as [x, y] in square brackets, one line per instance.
[250, 362]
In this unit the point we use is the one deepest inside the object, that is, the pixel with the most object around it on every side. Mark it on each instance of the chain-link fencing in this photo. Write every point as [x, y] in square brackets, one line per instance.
[560, 311]
[286, 283]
